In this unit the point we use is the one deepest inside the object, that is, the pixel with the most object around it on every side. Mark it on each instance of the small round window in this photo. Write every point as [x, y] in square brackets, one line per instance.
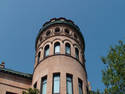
[67, 31]
[48, 33]
[57, 30]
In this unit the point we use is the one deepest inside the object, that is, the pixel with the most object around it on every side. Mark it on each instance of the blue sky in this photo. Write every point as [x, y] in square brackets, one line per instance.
[102, 23]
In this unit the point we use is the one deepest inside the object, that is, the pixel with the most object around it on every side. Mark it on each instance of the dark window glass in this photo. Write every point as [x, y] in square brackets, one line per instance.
[46, 53]
[67, 48]
[57, 30]
[35, 85]
[69, 85]
[38, 58]
[44, 85]
[57, 48]
[87, 90]
[77, 53]
[56, 84]
[10, 93]
[80, 86]
[75, 36]
[48, 33]
[67, 31]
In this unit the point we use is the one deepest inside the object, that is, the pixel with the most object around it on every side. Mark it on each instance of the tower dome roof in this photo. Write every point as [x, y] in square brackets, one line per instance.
[60, 20]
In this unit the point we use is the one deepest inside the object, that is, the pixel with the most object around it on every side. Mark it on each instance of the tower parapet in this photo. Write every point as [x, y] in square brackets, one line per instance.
[77, 35]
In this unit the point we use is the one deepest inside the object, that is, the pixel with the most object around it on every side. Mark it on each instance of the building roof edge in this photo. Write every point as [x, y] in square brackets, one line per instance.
[13, 72]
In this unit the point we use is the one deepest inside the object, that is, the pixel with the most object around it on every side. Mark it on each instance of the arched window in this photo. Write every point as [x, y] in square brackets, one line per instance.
[67, 48]
[44, 85]
[46, 51]
[77, 53]
[56, 84]
[80, 86]
[69, 84]
[38, 58]
[57, 48]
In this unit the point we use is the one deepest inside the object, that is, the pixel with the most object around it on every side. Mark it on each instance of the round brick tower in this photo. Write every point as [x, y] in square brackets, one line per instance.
[59, 62]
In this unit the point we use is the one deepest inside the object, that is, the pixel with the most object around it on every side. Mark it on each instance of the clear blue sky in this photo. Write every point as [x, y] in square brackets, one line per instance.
[102, 23]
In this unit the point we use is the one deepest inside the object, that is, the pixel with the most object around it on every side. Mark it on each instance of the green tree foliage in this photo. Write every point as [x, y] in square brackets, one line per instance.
[95, 92]
[31, 91]
[114, 73]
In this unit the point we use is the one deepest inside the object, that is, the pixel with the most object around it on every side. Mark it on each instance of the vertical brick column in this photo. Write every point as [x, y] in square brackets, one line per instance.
[2, 89]
[38, 84]
[35, 61]
[63, 83]
[49, 83]
[73, 51]
[51, 51]
[84, 88]
[62, 48]
[42, 54]
[75, 85]
[85, 83]
[80, 56]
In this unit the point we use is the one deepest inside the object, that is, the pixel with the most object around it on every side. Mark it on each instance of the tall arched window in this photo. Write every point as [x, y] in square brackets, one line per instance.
[56, 84]
[44, 85]
[80, 86]
[57, 48]
[69, 84]
[77, 53]
[46, 51]
[67, 48]
[38, 58]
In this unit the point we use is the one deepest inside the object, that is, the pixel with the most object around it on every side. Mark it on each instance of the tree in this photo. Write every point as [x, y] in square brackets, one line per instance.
[31, 91]
[95, 92]
[114, 73]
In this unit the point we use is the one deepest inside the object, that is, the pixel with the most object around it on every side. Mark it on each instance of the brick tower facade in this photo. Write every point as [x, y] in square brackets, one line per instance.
[59, 62]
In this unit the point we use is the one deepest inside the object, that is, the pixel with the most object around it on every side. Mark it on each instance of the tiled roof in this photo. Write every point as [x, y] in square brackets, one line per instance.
[13, 72]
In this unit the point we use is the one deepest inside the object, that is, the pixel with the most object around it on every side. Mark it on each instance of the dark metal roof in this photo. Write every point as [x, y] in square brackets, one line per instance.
[13, 72]
[60, 21]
